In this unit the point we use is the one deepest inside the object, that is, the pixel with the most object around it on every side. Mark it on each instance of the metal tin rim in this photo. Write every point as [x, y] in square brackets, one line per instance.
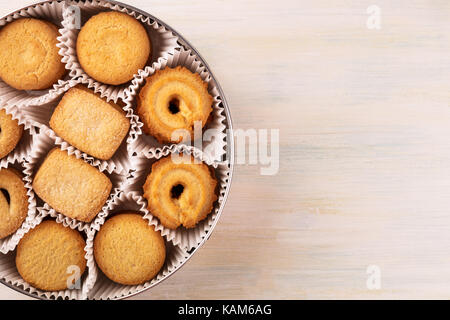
[230, 148]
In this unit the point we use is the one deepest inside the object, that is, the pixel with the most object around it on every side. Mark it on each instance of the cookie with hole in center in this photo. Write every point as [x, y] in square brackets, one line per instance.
[13, 201]
[128, 250]
[50, 257]
[171, 102]
[10, 133]
[180, 192]
[29, 58]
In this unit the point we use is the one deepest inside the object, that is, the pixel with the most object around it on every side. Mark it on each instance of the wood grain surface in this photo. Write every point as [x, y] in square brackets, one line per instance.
[364, 173]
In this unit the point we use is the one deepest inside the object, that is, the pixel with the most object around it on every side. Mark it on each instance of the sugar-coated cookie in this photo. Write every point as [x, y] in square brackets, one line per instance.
[10, 133]
[71, 186]
[112, 47]
[29, 58]
[50, 257]
[13, 201]
[89, 123]
[128, 250]
[180, 193]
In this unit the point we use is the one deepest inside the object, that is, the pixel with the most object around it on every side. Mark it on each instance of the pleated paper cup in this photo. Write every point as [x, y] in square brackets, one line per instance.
[24, 146]
[183, 237]
[49, 11]
[104, 288]
[163, 41]
[10, 275]
[42, 145]
[40, 116]
[214, 134]
[131, 164]
[9, 243]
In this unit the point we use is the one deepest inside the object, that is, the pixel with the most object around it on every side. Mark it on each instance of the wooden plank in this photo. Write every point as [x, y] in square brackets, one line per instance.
[365, 150]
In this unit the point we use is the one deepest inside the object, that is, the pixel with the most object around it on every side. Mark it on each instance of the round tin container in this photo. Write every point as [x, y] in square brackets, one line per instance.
[183, 43]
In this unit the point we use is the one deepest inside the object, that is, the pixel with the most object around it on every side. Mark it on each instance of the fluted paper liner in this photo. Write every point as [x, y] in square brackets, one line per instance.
[9, 273]
[50, 11]
[40, 116]
[163, 42]
[214, 146]
[130, 165]
[105, 288]
[18, 162]
[42, 144]
[23, 147]
[185, 238]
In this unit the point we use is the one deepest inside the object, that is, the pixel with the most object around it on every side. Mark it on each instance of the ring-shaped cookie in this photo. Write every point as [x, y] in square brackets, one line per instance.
[173, 99]
[180, 193]
[10, 133]
[13, 201]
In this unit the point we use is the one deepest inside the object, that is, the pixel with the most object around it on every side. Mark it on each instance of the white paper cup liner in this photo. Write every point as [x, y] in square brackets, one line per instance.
[9, 273]
[129, 167]
[105, 288]
[214, 132]
[9, 243]
[53, 12]
[163, 42]
[42, 144]
[31, 114]
[24, 146]
[40, 116]
[183, 237]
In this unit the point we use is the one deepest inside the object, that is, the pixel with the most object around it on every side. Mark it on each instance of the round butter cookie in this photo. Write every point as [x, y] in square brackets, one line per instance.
[180, 193]
[173, 99]
[50, 257]
[10, 133]
[29, 58]
[13, 201]
[128, 250]
[112, 47]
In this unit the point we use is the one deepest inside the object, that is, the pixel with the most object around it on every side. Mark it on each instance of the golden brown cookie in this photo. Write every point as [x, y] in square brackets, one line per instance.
[13, 201]
[89, 123]
[71, 186]
[128, 250]
[50, 257]
[29, 58]
[180, 193]
[10, 133]
[112, 47]
[173, 99]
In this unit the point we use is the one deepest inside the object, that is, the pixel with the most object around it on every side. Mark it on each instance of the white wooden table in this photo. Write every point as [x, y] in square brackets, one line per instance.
[365, 148]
